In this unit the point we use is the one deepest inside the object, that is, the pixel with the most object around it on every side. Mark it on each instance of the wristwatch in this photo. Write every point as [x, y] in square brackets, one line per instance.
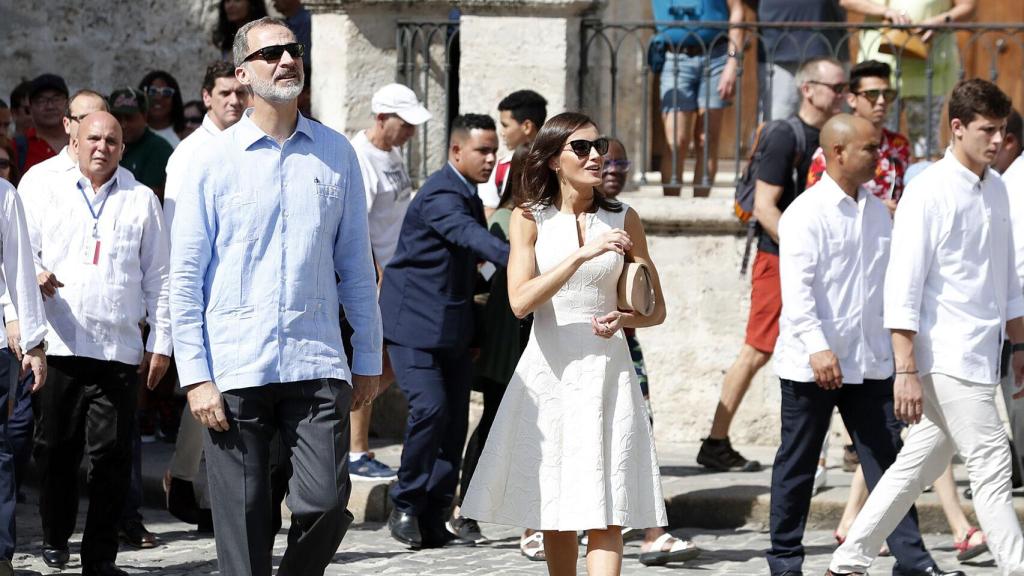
[42, 345]
[732, 53]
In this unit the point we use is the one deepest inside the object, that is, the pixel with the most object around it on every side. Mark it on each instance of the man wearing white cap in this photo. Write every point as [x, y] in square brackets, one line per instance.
[396, 114]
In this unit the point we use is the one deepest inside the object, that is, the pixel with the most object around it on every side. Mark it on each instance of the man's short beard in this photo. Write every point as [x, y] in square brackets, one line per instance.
[271, 92]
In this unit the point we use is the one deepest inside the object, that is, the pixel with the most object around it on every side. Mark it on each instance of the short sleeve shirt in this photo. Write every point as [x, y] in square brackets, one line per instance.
[798, 45]
[894, 157]
[776, 168]
[147, 158]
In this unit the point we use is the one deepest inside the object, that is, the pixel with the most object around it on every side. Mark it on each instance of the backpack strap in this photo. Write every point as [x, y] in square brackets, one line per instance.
[801, 139]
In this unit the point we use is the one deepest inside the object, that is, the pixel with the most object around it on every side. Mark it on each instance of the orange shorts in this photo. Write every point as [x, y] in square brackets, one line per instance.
[765, 303]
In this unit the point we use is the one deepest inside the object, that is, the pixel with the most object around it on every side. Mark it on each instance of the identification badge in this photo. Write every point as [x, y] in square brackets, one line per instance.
[91, 251]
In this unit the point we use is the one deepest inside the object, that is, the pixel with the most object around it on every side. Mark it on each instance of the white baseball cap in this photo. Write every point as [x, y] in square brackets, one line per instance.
[400, 100]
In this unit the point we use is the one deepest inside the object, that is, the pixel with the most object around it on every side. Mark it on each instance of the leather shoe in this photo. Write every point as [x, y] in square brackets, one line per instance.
[181, 500]
[445, 539]
[931, 571]
[102, 569]
[55, 557]
[205, 518]
[405, 528]
[135, 534]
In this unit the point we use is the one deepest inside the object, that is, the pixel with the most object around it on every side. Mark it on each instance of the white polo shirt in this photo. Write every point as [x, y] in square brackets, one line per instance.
[833, 251]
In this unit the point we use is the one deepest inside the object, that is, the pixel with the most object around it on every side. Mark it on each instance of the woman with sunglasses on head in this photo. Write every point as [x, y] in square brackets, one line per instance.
[166, 113]
[571, 447]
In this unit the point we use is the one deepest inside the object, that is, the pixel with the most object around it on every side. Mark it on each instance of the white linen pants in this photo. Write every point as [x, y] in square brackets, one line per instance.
[958, 416]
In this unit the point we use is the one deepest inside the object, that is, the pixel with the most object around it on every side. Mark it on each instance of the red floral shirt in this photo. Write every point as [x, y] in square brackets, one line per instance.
[894, 157]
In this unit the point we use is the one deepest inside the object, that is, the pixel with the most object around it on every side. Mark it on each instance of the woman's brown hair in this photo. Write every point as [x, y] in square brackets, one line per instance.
[539, 186]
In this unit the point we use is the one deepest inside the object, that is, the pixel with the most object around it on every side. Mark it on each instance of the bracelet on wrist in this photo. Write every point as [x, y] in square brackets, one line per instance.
[906, 372]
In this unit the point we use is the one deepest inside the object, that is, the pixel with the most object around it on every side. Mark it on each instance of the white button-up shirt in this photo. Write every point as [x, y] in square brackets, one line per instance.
[951, 278]
[1013, 178]
[110, 289]
[181, 160]
[832, 256]
[21, 300]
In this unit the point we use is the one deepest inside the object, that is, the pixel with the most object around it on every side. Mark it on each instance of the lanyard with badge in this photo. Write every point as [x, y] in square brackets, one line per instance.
[91, 248]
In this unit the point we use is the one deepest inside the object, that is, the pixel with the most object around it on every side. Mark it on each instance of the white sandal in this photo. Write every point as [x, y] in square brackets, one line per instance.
[532, 547]
[667, 548]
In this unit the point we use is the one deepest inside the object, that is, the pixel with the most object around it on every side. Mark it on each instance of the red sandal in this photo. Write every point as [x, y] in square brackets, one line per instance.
[964, 549]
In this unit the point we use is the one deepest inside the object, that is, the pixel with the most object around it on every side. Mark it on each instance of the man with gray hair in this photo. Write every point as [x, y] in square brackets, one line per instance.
[275, 214]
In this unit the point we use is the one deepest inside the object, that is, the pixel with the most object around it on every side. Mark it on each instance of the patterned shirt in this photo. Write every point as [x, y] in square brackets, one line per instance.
[894, 157]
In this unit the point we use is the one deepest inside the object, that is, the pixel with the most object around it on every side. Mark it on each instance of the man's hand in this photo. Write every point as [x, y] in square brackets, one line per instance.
[14, 338]
[827, 373]
[1017, 361]
[205, 403]
[48, 284]
[908, 398]
[154, 366]
[35, 361]
[364, 390]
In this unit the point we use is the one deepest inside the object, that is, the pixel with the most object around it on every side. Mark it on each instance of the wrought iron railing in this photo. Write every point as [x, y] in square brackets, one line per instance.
[428, 63]
[616, 78]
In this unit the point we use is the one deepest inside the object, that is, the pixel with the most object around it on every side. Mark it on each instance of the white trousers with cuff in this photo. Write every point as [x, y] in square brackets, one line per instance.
[958, 416]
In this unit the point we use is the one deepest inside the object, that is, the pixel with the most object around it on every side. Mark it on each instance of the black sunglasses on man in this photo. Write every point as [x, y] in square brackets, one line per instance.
[274, 53]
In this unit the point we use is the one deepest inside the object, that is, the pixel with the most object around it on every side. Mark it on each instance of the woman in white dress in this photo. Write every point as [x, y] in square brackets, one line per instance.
[571, 447]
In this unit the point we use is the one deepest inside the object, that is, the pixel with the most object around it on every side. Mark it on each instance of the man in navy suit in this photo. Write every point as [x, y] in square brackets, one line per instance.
[426, 305]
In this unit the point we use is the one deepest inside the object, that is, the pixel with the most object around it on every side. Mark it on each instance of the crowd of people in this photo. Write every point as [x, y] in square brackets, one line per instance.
[281, 276]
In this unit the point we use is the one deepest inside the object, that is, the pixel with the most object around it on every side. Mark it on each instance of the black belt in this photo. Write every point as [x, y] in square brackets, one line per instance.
[688, 50]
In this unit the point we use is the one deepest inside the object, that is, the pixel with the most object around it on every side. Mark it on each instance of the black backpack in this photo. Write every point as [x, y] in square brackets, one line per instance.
[747, 185]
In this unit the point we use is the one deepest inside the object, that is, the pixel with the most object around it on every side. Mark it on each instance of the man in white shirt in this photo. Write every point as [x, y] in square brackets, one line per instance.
[951, 295]
[225, 99]
[396, 114]
[101, 253]
[21, 301]
[833, 350]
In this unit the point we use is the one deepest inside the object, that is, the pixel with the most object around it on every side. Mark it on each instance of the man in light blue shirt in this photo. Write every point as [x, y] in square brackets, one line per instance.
[274, 216]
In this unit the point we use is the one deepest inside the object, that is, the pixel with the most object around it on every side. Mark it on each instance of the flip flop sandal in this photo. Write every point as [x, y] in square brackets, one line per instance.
[667, 548]
[532, 547]
[964, 549]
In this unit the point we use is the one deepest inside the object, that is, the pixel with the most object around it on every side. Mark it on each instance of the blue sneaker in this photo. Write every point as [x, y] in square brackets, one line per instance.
[371, 469]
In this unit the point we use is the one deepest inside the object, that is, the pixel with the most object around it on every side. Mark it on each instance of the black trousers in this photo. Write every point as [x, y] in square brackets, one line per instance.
[86, 406]
[867, 411]
[437, 385]
[312, 419]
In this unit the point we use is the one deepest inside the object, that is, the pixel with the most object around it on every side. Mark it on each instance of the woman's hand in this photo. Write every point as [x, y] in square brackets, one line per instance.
[615, 240]
[606, 326]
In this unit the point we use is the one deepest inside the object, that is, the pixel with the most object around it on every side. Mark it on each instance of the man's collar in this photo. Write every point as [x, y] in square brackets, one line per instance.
[965, 173]
[470, 187]
[209, 125]
[110, 185]
[249, 133]
[832, 190]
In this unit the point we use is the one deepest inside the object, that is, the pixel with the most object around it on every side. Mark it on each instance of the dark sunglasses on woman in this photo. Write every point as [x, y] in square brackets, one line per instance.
[582, 147]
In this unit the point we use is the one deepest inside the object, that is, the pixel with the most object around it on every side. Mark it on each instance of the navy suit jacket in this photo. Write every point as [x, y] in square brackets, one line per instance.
[426, 297]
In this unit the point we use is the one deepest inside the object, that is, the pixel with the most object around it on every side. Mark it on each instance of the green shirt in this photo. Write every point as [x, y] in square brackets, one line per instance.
[146, 159]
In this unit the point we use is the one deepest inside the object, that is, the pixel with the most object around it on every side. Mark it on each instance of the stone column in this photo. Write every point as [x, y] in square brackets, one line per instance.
[509, 45]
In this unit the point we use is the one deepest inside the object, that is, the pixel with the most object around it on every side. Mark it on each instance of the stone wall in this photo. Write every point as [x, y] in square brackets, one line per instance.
[105, 44]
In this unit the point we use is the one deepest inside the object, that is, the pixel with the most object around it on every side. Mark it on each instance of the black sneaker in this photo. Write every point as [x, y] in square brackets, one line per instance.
[466, 528]
[719, 455]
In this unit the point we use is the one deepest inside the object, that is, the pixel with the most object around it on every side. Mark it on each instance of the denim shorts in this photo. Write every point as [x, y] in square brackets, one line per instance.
[684, 87]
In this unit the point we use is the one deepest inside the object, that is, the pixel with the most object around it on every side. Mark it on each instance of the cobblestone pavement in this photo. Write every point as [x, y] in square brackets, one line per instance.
[368, 550]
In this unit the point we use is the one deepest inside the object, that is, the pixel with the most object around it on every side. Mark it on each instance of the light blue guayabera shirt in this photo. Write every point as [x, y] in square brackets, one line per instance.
[258, 234]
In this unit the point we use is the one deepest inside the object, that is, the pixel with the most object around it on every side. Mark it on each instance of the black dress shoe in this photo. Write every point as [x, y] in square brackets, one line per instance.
[135, 534]
[405, 528]
[932, 571]
[102, 569]
[442, 538]
[55, 557]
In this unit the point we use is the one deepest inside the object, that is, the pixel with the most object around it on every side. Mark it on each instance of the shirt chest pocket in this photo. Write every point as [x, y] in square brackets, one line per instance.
[237, 218]
[330, 204]
[127, 242]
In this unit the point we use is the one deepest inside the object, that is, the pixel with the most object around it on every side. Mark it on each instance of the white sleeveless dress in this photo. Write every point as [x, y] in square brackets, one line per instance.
[571, 446]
